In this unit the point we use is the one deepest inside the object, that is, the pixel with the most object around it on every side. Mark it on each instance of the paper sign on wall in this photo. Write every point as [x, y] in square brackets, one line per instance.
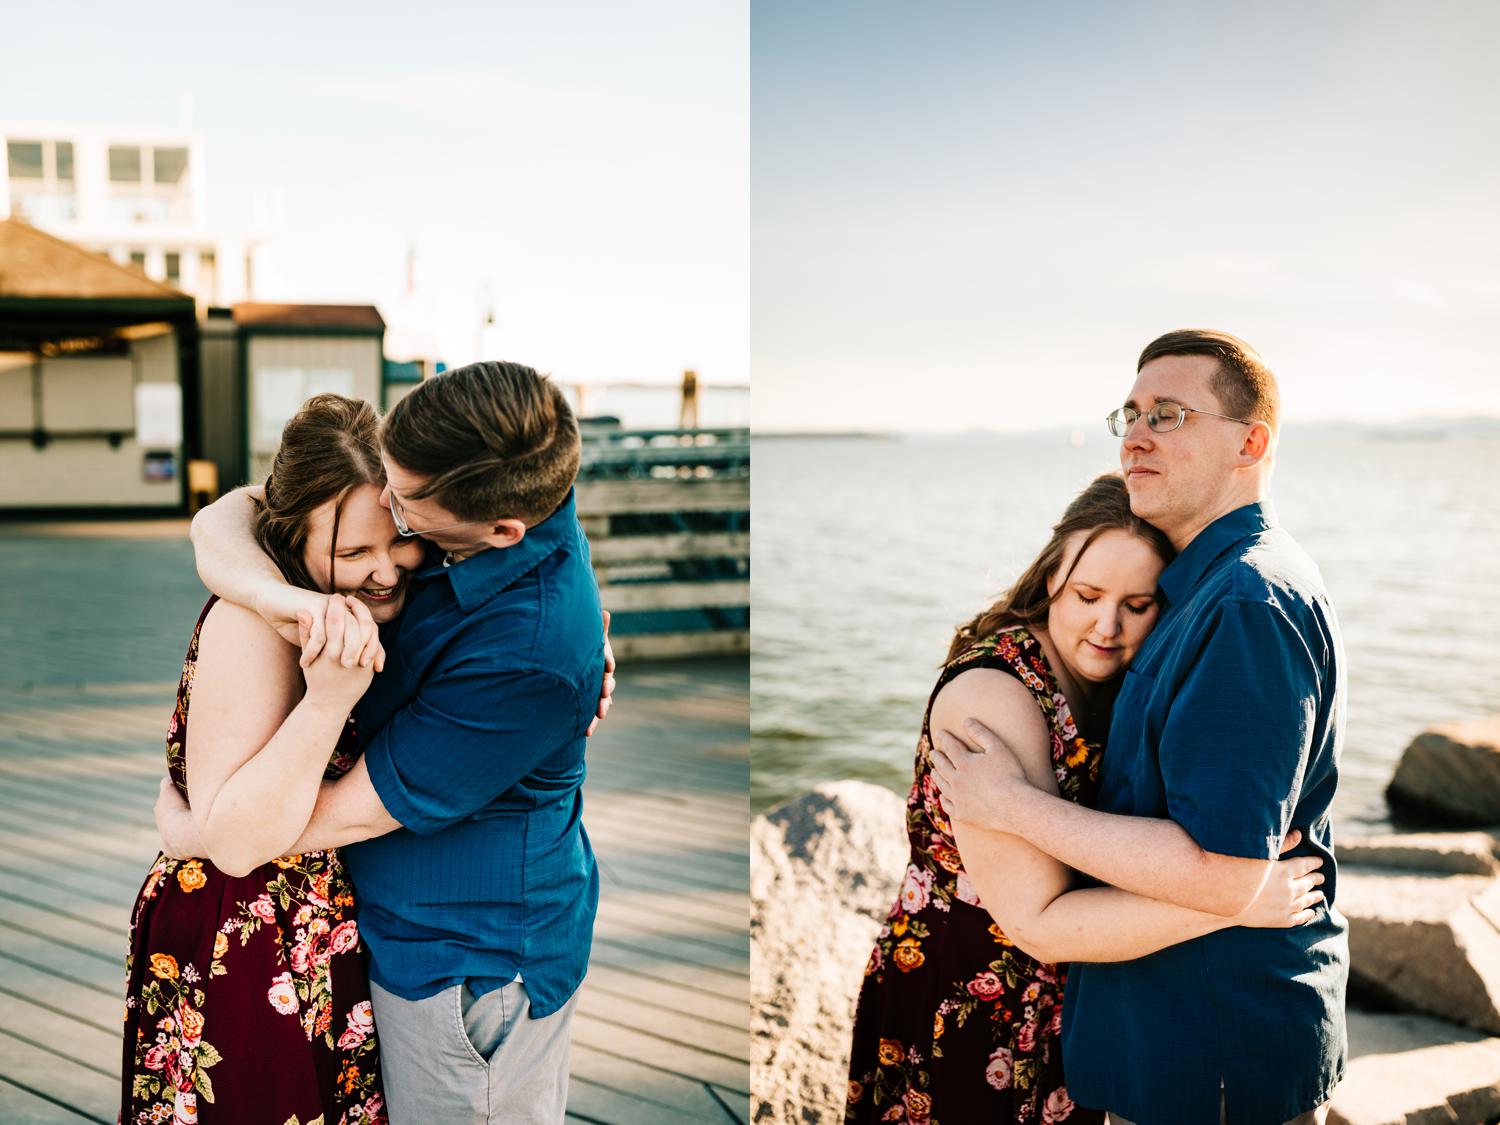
[158, 415]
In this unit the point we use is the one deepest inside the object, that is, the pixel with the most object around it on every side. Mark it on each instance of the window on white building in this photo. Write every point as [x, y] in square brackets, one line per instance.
[25, 160]
[124, 164]
[41, 175]
[174, 269]
[148, 184]
[276, 393]
[169, 164]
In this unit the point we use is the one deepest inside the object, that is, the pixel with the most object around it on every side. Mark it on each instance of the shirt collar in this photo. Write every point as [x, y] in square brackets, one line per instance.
[1183, 573]
[480, 577]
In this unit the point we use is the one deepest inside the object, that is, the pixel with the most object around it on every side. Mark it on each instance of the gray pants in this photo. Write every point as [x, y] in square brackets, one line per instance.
[455, 1059]
[1311, 1117]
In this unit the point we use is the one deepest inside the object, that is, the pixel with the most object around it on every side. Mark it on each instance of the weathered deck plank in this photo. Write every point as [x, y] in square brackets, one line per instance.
[661, 1034]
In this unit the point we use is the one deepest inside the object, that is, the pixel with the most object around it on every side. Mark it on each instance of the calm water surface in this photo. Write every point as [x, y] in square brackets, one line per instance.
[867, 552]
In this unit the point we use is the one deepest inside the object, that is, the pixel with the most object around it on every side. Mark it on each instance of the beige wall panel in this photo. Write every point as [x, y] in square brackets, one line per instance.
[88, 393]
[156, 358]
[78, 473]
[397, 391]
[15, 393]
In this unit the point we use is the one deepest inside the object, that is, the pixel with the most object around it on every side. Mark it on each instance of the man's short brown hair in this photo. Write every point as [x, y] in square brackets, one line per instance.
[495, 440]
[1243, 384]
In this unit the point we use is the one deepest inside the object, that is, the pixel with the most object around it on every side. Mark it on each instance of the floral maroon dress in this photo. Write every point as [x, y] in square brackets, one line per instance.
[956, 1024]
[247, 998]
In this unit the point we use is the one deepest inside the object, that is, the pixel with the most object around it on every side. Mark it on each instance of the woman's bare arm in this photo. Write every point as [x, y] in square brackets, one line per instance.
[232, 565]
[347, 810]
[1026, 891]
[259, 745]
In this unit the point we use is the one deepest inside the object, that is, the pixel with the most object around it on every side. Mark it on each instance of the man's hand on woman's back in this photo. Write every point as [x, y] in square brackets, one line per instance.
[607, 689]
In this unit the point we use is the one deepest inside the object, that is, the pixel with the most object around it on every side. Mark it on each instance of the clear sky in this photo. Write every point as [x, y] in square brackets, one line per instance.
[976, 214]
[587, 161]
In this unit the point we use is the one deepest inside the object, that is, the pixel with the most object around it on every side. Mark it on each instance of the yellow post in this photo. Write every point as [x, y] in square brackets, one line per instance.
[203, 484]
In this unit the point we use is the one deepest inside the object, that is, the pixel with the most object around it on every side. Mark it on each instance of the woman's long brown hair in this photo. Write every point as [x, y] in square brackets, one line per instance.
[329, 447]
[1103, 506]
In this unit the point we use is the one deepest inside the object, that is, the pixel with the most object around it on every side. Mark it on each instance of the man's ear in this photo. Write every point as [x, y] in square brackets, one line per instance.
[1257, 444]
[507, 533]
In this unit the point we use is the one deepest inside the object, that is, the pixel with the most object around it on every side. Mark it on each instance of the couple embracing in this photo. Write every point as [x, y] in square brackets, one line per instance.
[376, 895]
[1193, 970]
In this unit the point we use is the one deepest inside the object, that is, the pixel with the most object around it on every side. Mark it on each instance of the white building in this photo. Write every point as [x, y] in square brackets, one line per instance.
[138, 197]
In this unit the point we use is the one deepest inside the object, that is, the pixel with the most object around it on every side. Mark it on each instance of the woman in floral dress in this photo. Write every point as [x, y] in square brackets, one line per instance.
[961, 1009]
[247, 995]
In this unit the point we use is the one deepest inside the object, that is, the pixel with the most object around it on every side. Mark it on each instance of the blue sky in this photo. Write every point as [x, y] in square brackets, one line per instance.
[588, 162]
[973, 214]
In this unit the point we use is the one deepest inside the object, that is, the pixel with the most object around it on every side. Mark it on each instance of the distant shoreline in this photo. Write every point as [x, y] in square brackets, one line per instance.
[822, 435]
[1416, 430]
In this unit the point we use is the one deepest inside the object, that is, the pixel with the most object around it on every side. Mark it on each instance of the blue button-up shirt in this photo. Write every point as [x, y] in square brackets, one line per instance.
[474, 737]
[1229, 722]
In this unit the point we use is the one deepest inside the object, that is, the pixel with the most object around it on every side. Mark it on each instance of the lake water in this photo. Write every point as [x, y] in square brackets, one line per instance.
[867, 551]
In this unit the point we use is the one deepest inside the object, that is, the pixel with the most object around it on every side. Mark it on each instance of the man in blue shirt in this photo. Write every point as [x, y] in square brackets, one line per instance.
[1225, 735]
[461, 821]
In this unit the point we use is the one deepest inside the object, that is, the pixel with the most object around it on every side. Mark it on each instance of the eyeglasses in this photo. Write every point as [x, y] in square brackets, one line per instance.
[398, 517]
[1162, 418]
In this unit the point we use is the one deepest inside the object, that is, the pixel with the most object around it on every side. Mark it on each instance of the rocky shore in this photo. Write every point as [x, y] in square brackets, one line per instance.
[1424, 938]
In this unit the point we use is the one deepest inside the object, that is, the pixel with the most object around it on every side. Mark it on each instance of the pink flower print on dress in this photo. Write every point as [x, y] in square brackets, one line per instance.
[345, 937]
[1026, 1038]
[300, 957]
[1068, 729]
[283, 994]
[1059, 1107]
[986, 986]
[998, 1073]
[916, 890]
[360, 1024]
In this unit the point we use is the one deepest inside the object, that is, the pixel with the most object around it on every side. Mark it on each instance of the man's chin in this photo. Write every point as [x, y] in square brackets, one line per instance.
[1143, 497]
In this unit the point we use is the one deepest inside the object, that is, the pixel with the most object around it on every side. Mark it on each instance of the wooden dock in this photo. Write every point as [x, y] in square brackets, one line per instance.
[92, 631]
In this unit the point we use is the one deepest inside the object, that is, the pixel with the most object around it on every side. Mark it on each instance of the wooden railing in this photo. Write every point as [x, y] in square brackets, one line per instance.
[668, 518]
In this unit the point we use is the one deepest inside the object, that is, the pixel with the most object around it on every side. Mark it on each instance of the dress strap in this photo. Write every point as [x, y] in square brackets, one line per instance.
[1015, 651]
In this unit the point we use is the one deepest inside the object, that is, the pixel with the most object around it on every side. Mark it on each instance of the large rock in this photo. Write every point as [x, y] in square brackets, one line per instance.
[1452, 853]
[1426, 942]
[1412, 1070]
[825, 869]
[824, 872]
[1452, 773]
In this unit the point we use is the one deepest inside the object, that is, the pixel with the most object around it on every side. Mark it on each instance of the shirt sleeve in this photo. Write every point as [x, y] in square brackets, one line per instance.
[469, 735]
[1239, 733]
